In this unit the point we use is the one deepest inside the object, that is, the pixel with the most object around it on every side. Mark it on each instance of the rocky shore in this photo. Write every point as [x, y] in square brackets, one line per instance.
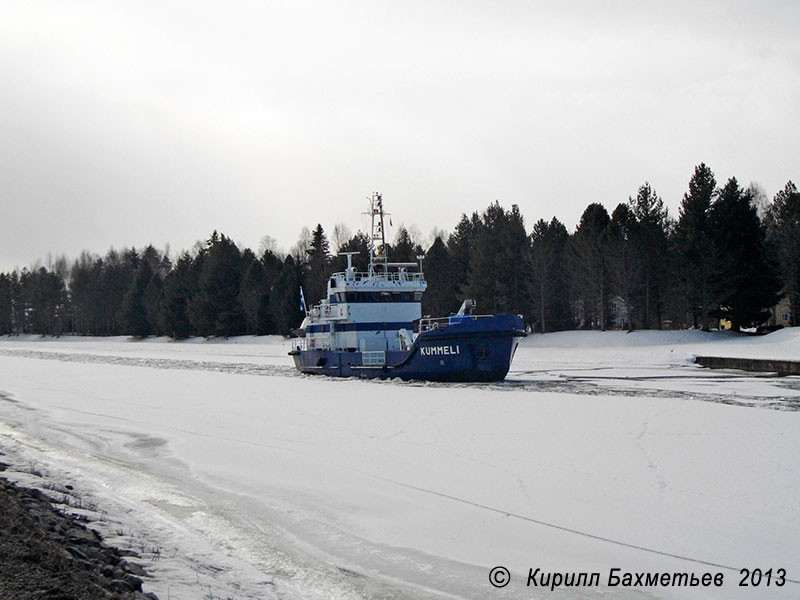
[47, 555]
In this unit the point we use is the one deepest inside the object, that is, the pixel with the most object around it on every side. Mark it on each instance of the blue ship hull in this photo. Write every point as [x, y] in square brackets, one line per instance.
[465, 350]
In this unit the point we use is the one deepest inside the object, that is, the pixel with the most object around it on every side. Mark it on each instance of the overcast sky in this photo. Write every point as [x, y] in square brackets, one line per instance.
[129, 123]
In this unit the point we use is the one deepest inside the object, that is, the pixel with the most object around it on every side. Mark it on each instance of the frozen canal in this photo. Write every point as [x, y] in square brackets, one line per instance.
[234, 477]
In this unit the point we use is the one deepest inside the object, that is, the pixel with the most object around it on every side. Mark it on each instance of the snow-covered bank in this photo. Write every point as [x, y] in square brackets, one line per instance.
[660, 364]
[664, 347]
[303, 487]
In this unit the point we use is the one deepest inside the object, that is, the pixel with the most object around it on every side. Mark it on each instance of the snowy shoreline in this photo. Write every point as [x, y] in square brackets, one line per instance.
[49, 546]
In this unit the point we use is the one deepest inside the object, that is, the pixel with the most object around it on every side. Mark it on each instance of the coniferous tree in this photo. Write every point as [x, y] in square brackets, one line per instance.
[87, 288]
[214, 308]
[139, 311]
[98, 303]
[285, 298]
[254, 298]
[132, 314]
[178, 287]
[152, 302]
[19, 300]
[481, 285]
[543, 263]
[272, 265]
[116, 276]
[515, 264]
[56, 302]
[697, 257]
[17, 304]
[649, 238]
[588, 266]
[404, 250]
[198, 306]
[440, 299]
[160, 266]
[5, 305]
[250, 293]
[22, 301]
[624, 259]
[499, 241]
[83, 290]
[318, 266]
[550, 297]
[44, 299]
[220, 280]
[750, 283]
[459, 244]
[783, 228]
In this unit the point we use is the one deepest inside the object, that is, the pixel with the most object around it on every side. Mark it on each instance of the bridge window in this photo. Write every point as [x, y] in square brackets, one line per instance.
[369, 297]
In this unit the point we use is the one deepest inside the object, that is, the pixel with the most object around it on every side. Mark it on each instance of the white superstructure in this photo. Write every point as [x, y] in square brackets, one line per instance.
[372, 311]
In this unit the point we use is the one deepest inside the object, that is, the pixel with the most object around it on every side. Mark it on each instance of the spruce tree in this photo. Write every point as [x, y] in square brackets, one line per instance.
[214, 308]
[318, 266]
[624, 259]
[697, 257]
[5, 304]
[514, 264]
[45, 300]
[17, 303]
[152, 302]
[588, 268]
[272, 265]
[404, 249]
[783, 228]
[649, 239]
[750, 283]
[549, 293]
[221, 279]
[459, 244]
[199, 307]
[116, 276]
[498, 262]
[440, 299]
[254, 298]
[160, 266]
[285, 298]
[83, 289]
[132, 314]
[22, 305]
[173, 317]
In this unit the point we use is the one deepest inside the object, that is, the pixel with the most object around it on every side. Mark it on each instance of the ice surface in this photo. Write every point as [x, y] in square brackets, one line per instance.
[237, 478]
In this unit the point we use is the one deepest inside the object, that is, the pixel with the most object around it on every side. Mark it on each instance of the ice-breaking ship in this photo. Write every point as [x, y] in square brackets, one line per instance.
[370, 325]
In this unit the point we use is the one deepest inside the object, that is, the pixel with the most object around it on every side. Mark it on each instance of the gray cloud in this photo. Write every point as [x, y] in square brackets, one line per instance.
[158, 122]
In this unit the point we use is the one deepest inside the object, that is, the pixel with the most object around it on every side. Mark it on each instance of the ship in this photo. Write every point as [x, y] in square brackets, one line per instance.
[370, 325]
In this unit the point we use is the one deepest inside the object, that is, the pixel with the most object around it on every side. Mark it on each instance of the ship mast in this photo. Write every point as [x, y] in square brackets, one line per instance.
[378, 258]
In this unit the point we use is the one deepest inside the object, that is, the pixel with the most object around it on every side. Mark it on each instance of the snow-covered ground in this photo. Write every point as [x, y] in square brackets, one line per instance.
[235, 477]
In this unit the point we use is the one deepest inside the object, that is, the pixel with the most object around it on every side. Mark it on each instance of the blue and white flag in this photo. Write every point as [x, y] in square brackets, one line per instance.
[303, 302]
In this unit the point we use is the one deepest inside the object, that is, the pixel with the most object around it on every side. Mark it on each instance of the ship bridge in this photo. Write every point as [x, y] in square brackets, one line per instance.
[369, 311]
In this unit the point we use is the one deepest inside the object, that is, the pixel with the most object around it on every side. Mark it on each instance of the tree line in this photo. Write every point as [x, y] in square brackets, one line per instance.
[728, 255]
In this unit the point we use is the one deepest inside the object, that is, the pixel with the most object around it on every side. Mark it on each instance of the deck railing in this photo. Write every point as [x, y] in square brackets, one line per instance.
[427, 323]
[376, 275]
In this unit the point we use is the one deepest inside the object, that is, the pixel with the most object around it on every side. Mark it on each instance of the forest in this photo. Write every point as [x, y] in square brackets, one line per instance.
[729, 254]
